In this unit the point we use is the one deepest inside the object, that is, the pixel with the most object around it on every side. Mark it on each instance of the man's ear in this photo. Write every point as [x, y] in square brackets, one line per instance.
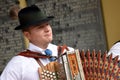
[27, 35]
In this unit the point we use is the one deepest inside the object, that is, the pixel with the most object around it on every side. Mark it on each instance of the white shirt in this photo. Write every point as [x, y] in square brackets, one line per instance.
[24, 68]
[115, 50]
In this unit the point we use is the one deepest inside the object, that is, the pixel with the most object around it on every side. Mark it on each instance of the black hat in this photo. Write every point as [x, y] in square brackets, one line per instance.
[31, 15]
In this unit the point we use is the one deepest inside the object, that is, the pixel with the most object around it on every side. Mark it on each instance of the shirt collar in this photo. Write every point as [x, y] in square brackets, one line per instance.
[35, 48]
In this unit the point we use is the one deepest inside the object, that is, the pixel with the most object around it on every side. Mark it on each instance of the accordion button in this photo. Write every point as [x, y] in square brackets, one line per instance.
[54, 77]
[47, 71]
[48, 75]
[45, 74]
[51, 76]
[50, 72]
[42, 73]
[42, 76]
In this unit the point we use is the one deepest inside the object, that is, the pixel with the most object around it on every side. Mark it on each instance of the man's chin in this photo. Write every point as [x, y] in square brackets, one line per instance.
[50, 40]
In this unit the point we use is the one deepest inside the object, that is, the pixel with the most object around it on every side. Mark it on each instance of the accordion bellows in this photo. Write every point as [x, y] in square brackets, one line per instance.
[99, 66]
[80, 65]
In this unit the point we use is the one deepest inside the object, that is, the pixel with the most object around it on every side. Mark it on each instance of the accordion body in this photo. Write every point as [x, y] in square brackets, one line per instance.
[81, 65]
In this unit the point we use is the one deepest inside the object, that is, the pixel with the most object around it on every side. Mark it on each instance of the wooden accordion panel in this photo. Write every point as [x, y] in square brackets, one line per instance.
[80, 65]
[52, 71]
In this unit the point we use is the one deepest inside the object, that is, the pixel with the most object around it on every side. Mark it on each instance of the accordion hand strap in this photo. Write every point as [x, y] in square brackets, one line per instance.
[61, 51]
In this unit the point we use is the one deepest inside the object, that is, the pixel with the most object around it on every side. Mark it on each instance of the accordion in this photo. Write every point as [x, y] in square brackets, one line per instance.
[81, 65]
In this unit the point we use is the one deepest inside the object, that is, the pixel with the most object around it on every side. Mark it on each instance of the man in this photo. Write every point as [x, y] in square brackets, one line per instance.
[115, 50]
[35, 27]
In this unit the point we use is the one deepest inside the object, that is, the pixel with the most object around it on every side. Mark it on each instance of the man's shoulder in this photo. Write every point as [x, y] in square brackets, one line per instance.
[18, 59]
[116, 45]
[51, 44]
[117, 42]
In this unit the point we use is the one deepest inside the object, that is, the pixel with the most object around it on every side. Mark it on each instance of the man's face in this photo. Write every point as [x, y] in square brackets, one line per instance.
[39, 34]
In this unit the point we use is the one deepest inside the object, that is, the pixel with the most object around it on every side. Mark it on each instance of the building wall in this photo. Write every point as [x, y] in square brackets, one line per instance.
[111, 11]
[11, 41]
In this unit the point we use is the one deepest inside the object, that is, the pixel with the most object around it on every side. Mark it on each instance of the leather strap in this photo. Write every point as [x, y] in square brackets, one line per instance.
[39, 62]
[32, 54]
[37, 55]
[61, 51]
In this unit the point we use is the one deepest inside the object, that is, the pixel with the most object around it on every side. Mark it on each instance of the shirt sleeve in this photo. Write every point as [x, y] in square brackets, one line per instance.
[115, 50]
[12, 71]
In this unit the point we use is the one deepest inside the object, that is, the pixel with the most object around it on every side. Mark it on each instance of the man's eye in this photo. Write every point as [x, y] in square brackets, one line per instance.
[40, 27]
[47, 24]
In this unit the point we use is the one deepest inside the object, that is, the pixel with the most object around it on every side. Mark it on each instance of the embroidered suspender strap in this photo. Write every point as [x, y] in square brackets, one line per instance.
[37, 55]
[34, 55]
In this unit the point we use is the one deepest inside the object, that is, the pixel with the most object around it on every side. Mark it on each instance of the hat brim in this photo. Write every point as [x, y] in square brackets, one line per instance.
[20, 27]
